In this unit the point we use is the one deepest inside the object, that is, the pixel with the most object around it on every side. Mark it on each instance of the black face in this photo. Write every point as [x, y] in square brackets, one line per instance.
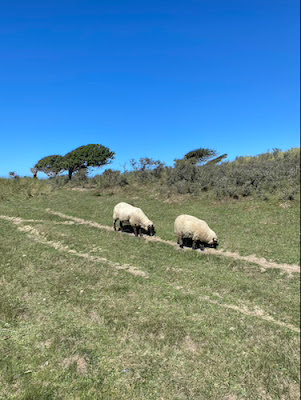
[211, 246]
[215, 243]
[151, 230]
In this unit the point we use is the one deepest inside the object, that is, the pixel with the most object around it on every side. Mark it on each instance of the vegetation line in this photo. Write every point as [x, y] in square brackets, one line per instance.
[37, 236]
[256, 313]
[251, 258]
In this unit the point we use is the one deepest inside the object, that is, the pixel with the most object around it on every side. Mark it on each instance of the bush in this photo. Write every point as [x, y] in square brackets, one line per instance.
[111, 178]
[59, 181]
[146, 170]
[23, 188]
[268, 173]
[80, 177]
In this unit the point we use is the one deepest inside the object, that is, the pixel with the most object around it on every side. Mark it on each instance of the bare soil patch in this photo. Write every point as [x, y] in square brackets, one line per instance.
[81, 363]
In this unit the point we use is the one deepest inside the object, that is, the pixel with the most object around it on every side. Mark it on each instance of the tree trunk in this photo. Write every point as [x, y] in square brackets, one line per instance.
[70, 174]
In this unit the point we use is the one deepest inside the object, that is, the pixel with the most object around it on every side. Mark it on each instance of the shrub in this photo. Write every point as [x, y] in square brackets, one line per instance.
[111, 178]
[268, 173]
[23, 188]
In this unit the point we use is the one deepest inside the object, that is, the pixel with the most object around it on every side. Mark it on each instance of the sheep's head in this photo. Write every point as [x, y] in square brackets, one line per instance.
[213, 242]
[149, 228]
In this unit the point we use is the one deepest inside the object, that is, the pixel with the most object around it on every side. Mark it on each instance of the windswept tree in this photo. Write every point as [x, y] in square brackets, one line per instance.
[217, 159]
[50, 165]
[91, 155]
[200, 156]
[203, 156]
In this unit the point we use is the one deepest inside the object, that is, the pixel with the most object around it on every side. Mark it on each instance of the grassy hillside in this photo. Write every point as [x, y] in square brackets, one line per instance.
[89, 313]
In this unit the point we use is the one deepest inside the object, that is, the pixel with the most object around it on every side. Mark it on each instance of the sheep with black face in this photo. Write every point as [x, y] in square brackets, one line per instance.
[134, 216]
[189, 227]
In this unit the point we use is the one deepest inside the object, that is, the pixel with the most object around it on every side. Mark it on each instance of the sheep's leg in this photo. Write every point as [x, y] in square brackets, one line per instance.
[202, 247]
[180, 241]
[115, 220]
[194, 244]
[140, 231]
[135, 230]
[120, 226]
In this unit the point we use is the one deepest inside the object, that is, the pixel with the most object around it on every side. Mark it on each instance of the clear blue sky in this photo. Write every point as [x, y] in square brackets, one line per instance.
[147, 78]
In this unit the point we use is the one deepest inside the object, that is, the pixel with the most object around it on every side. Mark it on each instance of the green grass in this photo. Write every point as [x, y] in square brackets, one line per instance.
[74, 328]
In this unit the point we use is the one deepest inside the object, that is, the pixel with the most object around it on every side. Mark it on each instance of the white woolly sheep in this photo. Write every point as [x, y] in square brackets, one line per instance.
[188, 227]
[133, 216]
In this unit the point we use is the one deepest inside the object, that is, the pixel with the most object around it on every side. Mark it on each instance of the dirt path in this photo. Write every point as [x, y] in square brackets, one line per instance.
[256, 260]
[35, 235]
[251, 258]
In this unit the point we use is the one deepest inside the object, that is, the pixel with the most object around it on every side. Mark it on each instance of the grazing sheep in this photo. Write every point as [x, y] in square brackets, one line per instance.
[133, 216]
[196, 229]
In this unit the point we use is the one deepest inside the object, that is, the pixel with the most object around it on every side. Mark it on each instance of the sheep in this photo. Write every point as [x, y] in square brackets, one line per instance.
[133, 216]
[196, 229]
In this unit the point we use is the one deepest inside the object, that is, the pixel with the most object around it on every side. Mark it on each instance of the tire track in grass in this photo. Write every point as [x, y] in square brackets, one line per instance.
[39, 237]
[18, 220]
[257, 312]
[251, 258]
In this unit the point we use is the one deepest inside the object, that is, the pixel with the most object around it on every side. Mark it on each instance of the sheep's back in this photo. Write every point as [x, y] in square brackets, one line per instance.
[123, 211]
[128, 213]
[191, 227]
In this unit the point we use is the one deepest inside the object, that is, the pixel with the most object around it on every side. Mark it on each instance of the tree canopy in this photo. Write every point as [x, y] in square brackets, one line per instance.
[50, 165]
[203, 156]
[200, 155]
[83, 157]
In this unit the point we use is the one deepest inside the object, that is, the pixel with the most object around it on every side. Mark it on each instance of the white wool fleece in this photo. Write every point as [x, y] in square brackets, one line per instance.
[133, 215]
[191, 227]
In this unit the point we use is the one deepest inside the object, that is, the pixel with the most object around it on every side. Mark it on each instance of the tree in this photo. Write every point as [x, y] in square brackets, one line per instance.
[34, 171]
[202, 156]
[91, 155]
[50, 165]
[217, 159]
[199, 156]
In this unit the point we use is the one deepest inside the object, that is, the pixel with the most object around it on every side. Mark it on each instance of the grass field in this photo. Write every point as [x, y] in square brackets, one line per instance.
[89, 313]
